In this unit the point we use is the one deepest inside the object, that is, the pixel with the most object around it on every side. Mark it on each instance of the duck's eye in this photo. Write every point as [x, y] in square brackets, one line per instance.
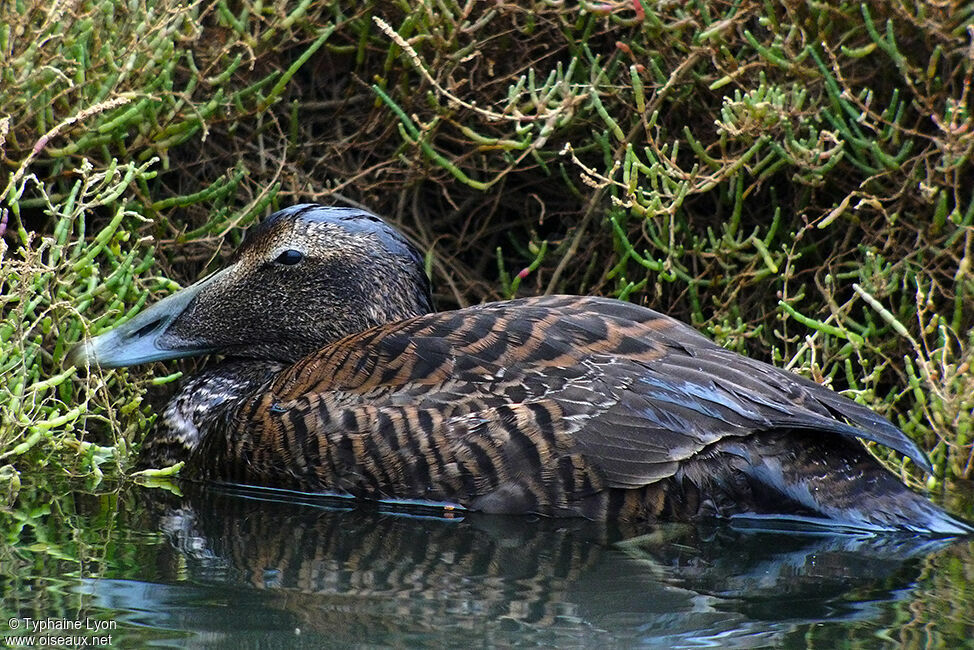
[289, 257]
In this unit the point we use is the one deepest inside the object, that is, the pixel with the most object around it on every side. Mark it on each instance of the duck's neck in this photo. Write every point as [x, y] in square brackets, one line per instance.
[201, 404]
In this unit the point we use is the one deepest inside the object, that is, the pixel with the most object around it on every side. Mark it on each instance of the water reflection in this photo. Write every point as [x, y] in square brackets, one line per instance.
[254, 569]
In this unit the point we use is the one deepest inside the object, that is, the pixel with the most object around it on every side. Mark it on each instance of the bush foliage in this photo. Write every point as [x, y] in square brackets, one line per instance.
[793, 178]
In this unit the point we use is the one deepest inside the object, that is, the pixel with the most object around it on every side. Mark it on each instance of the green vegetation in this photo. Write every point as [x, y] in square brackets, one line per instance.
[795, 179]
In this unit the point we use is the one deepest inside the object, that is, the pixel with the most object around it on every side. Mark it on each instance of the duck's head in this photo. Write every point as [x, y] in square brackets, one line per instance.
[306, 276]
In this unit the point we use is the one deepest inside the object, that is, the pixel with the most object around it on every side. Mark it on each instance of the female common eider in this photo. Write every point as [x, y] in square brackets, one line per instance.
[339, 378]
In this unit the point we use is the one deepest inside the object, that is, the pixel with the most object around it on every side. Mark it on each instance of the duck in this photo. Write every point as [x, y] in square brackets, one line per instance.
[334, 375]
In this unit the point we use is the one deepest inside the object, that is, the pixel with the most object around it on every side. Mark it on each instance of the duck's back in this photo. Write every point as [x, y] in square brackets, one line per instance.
[562, 406]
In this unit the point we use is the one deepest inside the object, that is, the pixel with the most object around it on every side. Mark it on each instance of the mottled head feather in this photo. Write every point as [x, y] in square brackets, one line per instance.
[355, 221]
[305, 277]
[355, 272]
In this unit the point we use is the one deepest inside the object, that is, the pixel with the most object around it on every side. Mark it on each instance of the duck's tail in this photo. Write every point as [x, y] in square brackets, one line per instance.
[831, 482]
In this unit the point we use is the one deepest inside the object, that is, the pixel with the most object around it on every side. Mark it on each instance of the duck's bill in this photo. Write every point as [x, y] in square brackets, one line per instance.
[145, 337]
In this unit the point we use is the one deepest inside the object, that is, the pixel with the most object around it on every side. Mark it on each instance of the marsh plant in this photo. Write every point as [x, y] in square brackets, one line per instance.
[794, 179]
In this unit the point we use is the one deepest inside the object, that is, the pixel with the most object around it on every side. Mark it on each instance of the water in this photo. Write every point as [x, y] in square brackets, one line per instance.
[222, 569]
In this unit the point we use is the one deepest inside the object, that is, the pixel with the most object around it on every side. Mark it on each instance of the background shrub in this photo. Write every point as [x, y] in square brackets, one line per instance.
[792, 178]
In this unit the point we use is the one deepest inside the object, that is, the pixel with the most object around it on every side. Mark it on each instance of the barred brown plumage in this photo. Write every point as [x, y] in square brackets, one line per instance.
[341, 379]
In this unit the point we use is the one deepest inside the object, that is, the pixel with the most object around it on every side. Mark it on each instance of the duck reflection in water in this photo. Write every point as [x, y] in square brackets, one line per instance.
[360, 575]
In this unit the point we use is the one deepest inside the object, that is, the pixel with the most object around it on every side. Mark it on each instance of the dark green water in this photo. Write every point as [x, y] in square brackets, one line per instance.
[218, 569]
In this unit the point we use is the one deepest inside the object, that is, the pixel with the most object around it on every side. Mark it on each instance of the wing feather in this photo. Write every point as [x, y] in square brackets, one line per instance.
[628, 392]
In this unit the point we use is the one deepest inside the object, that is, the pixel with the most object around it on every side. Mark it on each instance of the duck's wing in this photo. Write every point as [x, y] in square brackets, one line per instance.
[623, 392]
